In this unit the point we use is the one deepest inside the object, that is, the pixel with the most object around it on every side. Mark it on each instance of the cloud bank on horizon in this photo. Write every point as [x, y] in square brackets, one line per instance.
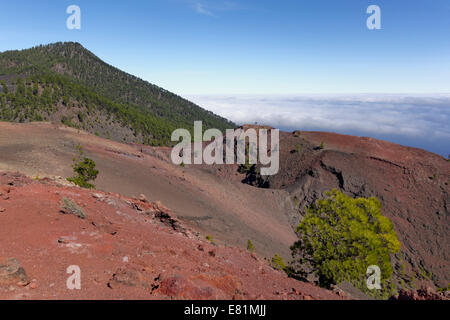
[421, 121]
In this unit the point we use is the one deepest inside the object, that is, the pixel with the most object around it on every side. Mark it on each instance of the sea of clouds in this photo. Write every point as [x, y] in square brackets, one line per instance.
[421, 121]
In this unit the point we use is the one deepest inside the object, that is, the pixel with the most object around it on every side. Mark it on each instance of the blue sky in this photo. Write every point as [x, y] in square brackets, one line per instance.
[252, 46]
[292, 64]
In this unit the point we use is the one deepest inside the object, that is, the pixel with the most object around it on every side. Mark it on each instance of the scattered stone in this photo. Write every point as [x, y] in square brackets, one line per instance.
[136, 207]
[2, 209]
[170, 222]
[105, 227]
[23, 283]
[143, 198]
[33, 284]
[62, 240]
[340, 293]
[212, 253]
[111, 202]
[97, 195]
[12, 273]
[130, 277]
[70, 207]
[150, 213]
[147, 269]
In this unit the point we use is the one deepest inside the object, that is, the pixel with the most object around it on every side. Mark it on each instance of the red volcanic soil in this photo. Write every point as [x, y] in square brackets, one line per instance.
[126, 249]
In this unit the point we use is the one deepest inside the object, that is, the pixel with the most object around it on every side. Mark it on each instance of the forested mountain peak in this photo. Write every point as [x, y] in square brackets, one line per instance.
[68, 83]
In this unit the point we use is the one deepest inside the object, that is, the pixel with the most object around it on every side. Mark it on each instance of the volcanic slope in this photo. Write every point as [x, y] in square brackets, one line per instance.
[413, 186]
[122, 248]
[230, 212]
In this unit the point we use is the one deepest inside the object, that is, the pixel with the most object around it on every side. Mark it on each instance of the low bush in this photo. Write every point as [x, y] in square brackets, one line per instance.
[278, 263]
[341, 236]
[84, 169]
[250, 246]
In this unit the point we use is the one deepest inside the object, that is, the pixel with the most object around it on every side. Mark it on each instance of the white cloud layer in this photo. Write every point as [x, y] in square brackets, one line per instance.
[416, 120]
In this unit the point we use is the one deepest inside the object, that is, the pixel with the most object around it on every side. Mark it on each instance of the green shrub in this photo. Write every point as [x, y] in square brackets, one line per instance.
[5, 88]
[412, 282]
[425, 274]
[322, 145]
[84, 169]
[443, 289]
[278, 263]
[66, 121]
[250, 246]
[246, 168]
[341, 236]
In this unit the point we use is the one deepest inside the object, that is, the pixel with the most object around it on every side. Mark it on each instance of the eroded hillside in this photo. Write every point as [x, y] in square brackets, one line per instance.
[124, 248]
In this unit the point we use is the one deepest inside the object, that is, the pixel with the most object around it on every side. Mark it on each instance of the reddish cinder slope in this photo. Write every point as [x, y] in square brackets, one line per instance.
[126, 249]
[231, 212]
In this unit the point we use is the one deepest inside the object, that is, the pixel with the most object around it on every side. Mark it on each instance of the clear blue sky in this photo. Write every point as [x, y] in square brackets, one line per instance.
[252, 46]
